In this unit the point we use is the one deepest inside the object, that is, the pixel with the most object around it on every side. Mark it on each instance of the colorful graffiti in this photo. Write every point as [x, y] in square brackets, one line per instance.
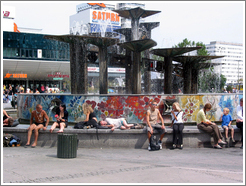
[131, 107]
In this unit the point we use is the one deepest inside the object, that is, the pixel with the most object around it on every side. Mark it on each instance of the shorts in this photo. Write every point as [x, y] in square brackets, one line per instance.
[40, 123]
[224, 127]
[66, 123]
[158, 128]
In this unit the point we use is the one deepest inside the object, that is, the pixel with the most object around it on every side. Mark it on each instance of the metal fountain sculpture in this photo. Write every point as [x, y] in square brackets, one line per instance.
[134, 45]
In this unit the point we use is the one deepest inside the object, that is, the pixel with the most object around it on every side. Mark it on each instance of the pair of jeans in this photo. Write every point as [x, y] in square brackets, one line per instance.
[211, 129]
[240, 126]
[178, 133]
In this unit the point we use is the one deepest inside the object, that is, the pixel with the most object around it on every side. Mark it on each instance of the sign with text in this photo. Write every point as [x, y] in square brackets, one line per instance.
[8, 75]
[85, 6]
[8, 12]
[58, 75]
[105, 17]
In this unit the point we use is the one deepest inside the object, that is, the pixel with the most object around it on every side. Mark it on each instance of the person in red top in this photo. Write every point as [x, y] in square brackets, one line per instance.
[42, 88]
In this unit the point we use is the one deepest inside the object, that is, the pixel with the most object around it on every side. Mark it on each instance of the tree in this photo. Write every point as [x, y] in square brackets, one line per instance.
[208, 79]
[222, 82]
[229, 88]
[186, 43]
[192, 68]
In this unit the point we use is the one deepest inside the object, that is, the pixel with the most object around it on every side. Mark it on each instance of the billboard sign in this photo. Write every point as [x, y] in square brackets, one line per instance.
[8, 12]
[109, 17]
[85, 6]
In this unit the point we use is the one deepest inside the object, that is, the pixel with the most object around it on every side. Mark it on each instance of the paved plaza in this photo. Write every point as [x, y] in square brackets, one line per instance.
[190, 165]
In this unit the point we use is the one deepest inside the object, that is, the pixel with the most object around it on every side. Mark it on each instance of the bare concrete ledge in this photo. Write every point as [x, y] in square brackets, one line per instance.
[133, 138]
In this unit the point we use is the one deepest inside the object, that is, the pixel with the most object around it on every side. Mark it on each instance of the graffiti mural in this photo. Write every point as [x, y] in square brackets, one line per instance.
[133, 108]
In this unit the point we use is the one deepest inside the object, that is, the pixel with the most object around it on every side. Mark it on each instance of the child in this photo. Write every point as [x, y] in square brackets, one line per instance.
[226, 124]
[178, 126]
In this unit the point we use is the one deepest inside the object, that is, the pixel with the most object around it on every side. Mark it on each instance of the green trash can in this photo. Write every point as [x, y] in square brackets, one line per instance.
[67, 145]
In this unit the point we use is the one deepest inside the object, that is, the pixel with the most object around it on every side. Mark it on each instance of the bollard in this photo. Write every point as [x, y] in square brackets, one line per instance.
[67, 145]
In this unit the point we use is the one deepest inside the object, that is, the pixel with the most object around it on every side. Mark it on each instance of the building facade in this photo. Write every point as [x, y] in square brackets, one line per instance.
[94, 18]
[31, 60]
[232, 63]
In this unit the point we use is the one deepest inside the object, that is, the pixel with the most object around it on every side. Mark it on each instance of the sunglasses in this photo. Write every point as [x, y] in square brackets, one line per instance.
[154, 104]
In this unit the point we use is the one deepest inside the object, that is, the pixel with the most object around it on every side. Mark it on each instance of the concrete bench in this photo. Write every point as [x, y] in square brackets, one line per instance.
[133, 138]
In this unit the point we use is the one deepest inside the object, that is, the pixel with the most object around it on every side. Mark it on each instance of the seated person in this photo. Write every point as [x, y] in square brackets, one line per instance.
[119, 123]
[239, 121]
[91, 119]
[152, 117]
[41, 122]
[226, 124]
[7, 120]
[61, 119]
[208, 126]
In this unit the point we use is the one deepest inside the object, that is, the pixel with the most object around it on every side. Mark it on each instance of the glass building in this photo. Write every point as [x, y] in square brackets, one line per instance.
[27, 46]
[25, 57]
[31, 60]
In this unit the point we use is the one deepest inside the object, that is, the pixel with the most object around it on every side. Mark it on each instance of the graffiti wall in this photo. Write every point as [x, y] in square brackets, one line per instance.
[132, 107]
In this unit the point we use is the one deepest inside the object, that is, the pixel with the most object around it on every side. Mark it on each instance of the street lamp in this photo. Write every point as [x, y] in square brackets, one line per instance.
[238, 75]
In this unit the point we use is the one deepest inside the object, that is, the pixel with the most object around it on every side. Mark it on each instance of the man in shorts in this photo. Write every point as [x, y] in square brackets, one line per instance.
[39, 115]
[152, 117]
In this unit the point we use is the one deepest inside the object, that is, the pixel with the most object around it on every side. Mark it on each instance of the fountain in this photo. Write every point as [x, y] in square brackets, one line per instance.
[78, 60]
[133, 107]
[127, 58]
[168, 54]
[191, 66]
[136, 46]
[147, 27]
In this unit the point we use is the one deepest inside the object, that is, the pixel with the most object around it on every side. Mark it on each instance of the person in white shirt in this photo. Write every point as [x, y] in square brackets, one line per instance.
[178, 126]
[239, 121]
[119, 123]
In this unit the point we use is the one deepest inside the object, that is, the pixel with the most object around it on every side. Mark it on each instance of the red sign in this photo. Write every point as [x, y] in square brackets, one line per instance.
[99, 4]
[58, 75]
[8, 75]
[102, 15]
[6, 13]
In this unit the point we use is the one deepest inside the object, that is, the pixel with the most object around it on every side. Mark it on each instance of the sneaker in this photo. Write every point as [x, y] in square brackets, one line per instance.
[232, 139]
[149, 148]
[217, 147]
[160, 144]
[181, 146]
[174, 146]
[222, 142]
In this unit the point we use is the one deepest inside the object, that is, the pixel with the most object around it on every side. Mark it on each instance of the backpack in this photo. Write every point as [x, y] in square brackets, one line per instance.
[153, 143]
[10, 140]
[80, 125]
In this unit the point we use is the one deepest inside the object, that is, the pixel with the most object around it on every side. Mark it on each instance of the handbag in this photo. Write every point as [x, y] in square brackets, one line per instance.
[174, 118]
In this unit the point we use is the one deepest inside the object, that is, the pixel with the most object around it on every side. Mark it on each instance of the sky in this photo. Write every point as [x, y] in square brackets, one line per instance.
[199, 21]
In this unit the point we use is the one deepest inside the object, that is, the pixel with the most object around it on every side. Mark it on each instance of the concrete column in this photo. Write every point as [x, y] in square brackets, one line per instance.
[168, 78]
[103, 70]
[136, 76]
[27, 81]
[73, 68]
[78, 67]
[128, 72]
[147, 75]
[187, 78]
